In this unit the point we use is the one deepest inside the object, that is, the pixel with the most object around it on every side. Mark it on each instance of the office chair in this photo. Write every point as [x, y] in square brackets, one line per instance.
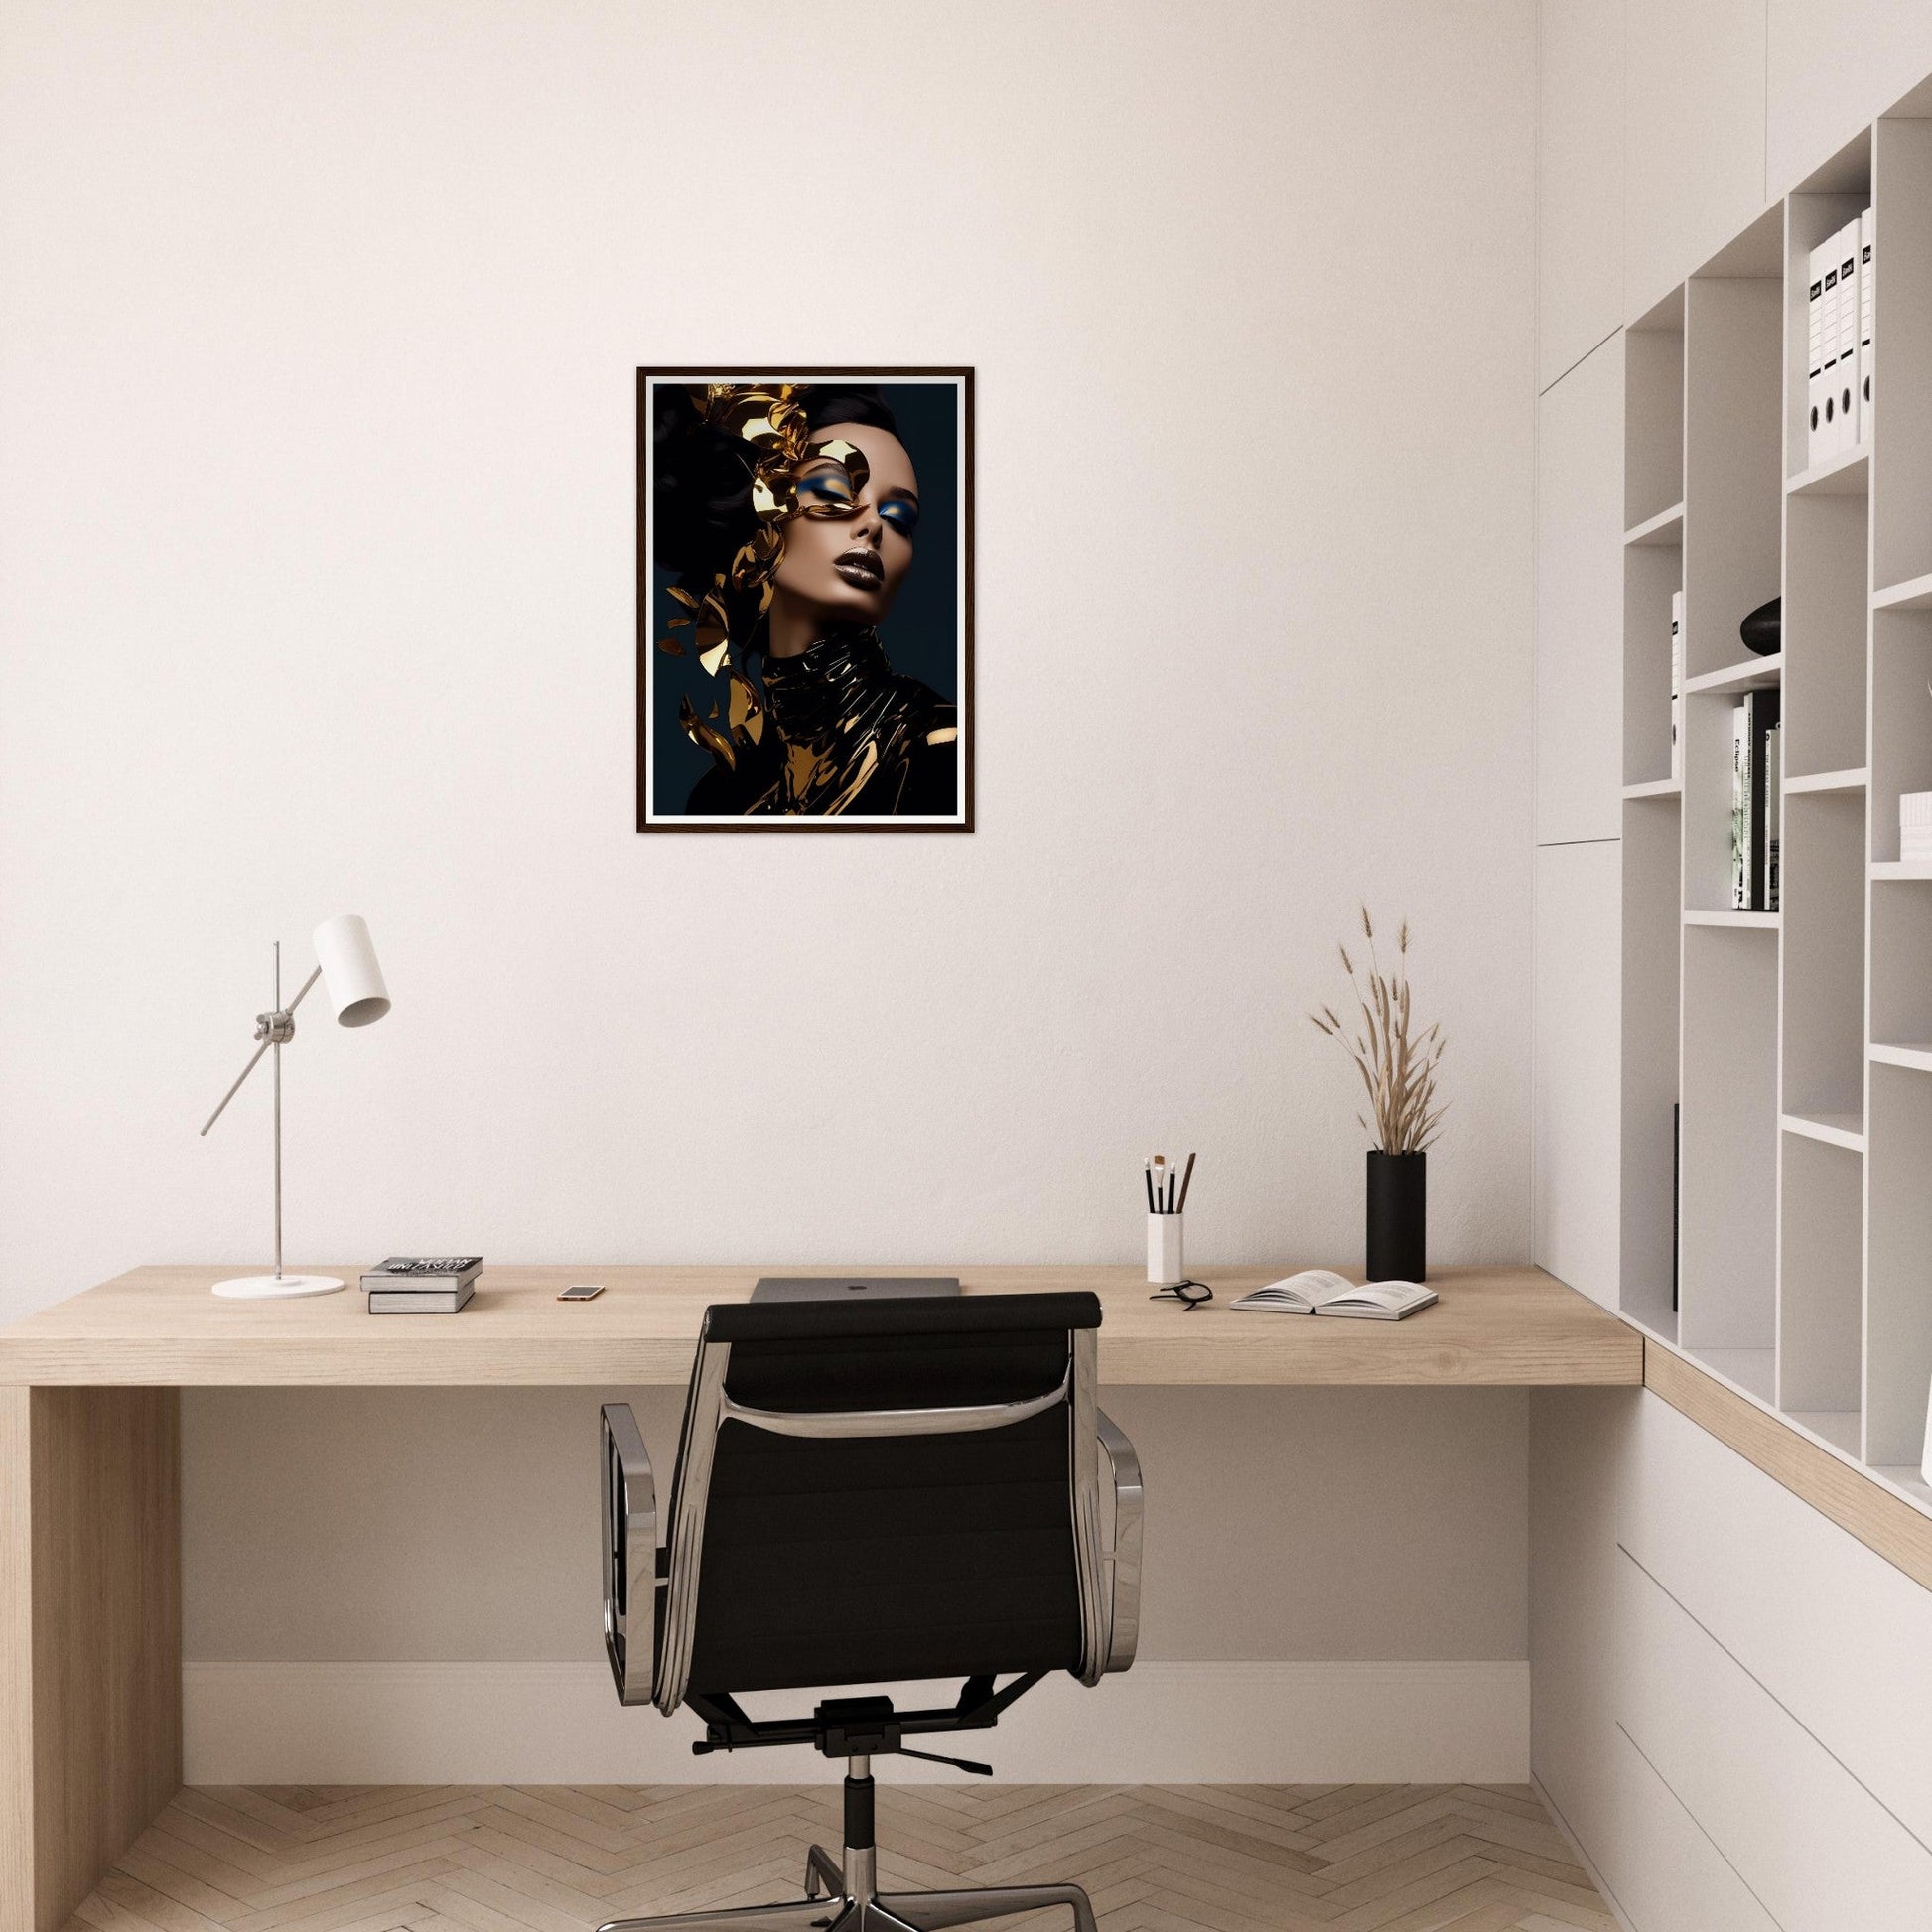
[869, 1494]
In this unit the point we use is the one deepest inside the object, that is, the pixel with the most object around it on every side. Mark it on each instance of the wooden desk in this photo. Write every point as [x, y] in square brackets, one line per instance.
[89, 1461]
[161, 1327]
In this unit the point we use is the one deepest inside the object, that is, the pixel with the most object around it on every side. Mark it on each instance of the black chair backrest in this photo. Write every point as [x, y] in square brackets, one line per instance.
[864, 1557]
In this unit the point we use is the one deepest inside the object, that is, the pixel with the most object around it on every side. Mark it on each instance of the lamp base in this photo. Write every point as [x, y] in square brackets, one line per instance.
[273, 1288]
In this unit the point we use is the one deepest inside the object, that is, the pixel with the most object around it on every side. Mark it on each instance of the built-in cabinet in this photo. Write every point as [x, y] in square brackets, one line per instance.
[1776, 1130]
[1732, 1702]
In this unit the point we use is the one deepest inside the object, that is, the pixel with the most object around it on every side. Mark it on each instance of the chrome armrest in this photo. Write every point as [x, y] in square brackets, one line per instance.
[629, 1554]
[1124, 1559]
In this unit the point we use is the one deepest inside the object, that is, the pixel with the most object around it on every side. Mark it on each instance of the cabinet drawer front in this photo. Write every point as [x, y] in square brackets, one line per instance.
[1814, 1845]
[1668, 1876]
[1837, 1635]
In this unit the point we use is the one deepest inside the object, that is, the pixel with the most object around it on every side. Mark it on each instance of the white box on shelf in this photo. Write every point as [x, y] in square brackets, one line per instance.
[1915, 824]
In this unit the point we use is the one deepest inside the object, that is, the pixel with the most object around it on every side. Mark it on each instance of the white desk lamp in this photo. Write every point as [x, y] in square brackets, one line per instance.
[345, 965]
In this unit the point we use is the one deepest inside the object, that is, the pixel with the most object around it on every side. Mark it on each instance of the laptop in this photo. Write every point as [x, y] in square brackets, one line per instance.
[846, 1288]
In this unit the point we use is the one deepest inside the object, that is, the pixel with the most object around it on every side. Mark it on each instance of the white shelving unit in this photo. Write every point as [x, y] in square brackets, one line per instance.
[1797, 1043]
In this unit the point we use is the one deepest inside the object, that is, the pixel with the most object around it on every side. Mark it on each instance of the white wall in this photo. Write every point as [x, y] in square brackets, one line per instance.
[316, 489]
[316, 417]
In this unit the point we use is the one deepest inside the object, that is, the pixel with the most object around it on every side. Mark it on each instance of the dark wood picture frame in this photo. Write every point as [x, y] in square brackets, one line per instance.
[968, 711]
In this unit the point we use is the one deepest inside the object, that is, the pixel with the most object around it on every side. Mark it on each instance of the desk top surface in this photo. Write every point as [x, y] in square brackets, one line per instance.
[160, 1327]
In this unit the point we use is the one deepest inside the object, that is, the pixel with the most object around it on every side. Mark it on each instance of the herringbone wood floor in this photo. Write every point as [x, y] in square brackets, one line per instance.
[558, 1859]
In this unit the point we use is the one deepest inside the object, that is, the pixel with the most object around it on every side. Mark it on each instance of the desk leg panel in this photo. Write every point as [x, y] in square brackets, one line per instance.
[89, 1637]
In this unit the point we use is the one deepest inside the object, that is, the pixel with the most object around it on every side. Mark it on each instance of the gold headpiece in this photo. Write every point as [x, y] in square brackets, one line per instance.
[770, 422]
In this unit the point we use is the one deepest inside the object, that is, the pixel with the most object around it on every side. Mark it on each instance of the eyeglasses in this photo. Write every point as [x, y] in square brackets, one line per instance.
[1190, 1295]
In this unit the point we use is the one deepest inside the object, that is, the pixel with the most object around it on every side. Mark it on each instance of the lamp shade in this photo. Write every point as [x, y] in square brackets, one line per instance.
[349, 975]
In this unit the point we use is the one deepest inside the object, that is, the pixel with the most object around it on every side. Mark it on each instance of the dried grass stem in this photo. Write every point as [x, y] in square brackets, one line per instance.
[1398, 1065]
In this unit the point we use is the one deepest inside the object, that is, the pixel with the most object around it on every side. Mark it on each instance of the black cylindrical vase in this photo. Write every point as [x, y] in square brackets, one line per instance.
[1398, 1215]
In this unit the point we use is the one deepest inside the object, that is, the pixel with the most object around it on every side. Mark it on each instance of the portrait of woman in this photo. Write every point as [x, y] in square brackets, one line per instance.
[804, 649]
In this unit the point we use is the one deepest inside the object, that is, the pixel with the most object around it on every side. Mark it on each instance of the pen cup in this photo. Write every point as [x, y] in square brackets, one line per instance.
[1164, 1265]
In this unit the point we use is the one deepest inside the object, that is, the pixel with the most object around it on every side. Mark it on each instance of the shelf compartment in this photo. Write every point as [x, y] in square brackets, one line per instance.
[1652, 859]
[1656, 788]
[1664, 531]
[1898, 1290]
[1823, 956]
[1653, 413]
[1901, 964]
[1897, 869]
[1901, 718]
[1821, 1248]
[1734, 473]
[1650, 576]
[1707, 749]
[1754, 674]
[1727, 1239]
[1848, 473]
[1834, 1130]
[1824, 781]
[1826, 612]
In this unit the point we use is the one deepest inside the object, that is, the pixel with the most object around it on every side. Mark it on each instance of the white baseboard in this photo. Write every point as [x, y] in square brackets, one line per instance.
[561, 1723]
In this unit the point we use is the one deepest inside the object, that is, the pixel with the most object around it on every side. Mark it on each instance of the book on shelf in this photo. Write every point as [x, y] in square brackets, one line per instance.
[1752, 817]
[1740, 810]
[1773, 808]
[1677, 686]
[420, 1301]
[1321, 1291]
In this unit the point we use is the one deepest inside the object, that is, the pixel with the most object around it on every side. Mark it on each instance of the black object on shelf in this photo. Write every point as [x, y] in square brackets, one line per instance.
[1676, 1192]
[1398, 1215]
[1764, 630]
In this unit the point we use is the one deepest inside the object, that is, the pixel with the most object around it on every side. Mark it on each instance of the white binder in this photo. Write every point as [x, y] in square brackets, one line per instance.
[1815, 356]
[1847, 390]
[1866, 298]
[1828, 420]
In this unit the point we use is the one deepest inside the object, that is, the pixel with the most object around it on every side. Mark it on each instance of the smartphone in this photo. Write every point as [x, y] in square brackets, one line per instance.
[582, 1291]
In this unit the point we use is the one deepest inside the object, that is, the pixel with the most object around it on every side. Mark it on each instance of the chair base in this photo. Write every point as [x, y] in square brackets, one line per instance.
[848, 1904]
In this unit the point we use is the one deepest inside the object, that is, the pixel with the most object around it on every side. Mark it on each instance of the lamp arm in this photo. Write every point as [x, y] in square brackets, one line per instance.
[304, 993]
[270, 1034]
[253, 1063]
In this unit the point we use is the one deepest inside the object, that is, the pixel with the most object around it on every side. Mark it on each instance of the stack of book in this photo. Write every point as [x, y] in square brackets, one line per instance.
[421, 1284]
[1755, 803]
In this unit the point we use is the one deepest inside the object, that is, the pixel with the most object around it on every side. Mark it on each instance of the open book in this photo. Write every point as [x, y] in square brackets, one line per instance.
[1319, 1291]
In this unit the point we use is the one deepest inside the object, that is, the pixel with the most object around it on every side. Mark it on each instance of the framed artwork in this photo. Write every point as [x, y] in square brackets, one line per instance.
[804, 599]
